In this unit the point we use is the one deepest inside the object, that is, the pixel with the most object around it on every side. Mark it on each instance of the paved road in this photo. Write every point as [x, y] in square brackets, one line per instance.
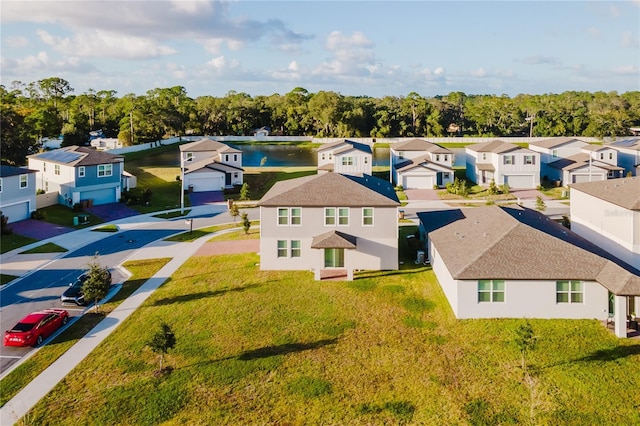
[42, 288]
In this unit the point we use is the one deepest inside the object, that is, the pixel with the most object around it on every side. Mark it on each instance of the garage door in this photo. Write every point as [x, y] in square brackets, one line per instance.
[417, 182]
[207, 184]
[16, 212]
[100, 196]
[519, 181]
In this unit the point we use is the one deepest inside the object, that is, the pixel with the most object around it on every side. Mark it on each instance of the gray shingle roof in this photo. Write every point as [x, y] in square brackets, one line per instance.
[521, 244]
[207, 144]
[210, 163]
[623, 192]
[554, 142]
[345, 145]
[331, 189]
[6, 171]
[420, 145]
[497, 146]
[78, 156]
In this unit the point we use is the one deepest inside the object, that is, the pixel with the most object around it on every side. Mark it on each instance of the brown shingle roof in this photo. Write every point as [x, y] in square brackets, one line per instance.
[497, 146]
[334, 239]
[521, 244]
[623, 192]
[331, 189]
[554, 142]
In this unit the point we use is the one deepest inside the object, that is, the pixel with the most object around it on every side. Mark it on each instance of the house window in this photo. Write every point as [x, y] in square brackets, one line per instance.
[367, 216]
[437, 157]
[330, 216]
[295, 248]
[334, 258]
[81, 171]
[343, 216]
[446, 157]
[554, 153]
[235, 175]
[366, 160]
[283, 216]
[23, 181]
[330, 156]
[0, 184]
[46, 186]
[105, 170]
[282, 248]
[400, 155]
[509, 159]
[445, 176]
[235, 157]
[289, 216]
[569, 292]
[56, 169]
[44, 167]
[226, 158]
[611, 156]
[347, 161]
[611, 174]
[602, 155]
[188, 156]
[323, 156]
[296, 216]
[529, 159]
[484, 155]
[490, 291]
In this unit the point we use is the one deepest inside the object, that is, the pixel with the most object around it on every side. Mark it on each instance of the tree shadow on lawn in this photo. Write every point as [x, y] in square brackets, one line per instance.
[612, 354]
[376, 274]
[201, 295]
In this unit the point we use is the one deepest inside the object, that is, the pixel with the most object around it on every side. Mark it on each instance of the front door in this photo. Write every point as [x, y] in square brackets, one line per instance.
[334, 258]
[227, 179]
[439, 179]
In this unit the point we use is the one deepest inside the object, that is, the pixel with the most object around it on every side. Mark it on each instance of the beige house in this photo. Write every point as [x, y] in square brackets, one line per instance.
[346, 157]
[209, 165]
[331, 224]
[513, 262]
[504, 163]
[420, 164]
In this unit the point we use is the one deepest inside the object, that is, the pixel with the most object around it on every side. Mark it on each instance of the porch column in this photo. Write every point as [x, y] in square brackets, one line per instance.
[347, 264]
[319, 262]
[620, 310]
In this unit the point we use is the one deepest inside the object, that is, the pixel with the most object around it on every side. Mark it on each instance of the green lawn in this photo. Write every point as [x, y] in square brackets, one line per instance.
[5, 278]
[63, 215]
[265, 347]
[46, 248]
[141, 271]
[13, 241]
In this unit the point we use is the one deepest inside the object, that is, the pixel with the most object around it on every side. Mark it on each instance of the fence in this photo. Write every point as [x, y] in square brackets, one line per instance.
[46, 200]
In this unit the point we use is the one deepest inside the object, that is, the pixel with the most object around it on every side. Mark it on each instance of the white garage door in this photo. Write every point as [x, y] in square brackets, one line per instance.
[586, 178]
[519, 181]
[207, 184]
[417, 182]
[16, 212]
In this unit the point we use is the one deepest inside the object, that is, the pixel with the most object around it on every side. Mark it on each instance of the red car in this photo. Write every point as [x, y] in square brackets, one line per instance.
[35, 327]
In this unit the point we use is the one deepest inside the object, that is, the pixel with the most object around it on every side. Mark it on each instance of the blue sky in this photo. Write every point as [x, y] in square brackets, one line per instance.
[359, 48]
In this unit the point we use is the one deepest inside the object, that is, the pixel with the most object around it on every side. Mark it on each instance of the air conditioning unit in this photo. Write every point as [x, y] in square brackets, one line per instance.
[420, 258]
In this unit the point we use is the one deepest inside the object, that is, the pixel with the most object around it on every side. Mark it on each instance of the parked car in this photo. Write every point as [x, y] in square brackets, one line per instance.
[35, 327]
[74, 293]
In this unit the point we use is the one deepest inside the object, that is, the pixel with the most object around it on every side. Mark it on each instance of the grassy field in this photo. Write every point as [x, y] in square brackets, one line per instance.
[259, 347]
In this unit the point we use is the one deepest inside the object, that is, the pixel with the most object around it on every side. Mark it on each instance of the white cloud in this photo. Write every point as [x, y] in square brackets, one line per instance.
[629, 40]
[220, 64]
[632, 70]
[16, 42]
[540, 59]
[42, 63]
[106, 44]
[480, 72]
[293, 66]
[595, 33]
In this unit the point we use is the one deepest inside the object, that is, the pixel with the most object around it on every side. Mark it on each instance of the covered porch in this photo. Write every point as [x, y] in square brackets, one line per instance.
[333, 259]
[624, 318]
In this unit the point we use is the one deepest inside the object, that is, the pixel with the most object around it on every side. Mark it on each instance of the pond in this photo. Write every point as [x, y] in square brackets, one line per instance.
[276, 156]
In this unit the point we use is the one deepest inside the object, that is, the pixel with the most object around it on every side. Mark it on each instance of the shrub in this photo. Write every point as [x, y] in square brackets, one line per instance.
[38, 215]
[40, 191]
[493, 188]
[506, 189]
[4, 220]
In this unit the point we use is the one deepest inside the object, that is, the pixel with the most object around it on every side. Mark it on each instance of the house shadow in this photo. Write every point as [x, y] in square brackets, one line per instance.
[612, 354]
[287, 348]
[202, 295]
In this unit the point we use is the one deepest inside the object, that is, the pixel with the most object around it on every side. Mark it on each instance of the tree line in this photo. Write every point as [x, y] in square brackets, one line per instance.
[48, 108]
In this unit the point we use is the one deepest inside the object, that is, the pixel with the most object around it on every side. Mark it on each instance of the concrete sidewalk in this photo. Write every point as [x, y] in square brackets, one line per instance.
[20, 404]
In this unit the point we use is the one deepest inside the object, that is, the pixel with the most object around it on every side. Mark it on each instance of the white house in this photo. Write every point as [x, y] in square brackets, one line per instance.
[329, 223]
[79, 173]
[628, 154]
[592, 163]
[607, 213]
[17, 192]
[346, 157]
[419, 164]
[209, 165]
[555, 149]
[106, 143]
[513, 262]
[503, 162]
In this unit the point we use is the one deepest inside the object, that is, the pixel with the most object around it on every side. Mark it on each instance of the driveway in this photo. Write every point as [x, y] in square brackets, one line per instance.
[421, 194]
[38, 229]
[528, 194]
[206, 197]
[112, 211]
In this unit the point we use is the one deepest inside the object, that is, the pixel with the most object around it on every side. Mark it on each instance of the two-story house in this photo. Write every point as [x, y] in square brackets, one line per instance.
[209, 165]
[554, 149]
[592, 163]
[79, 173]
[419, 164]
[329, 223]
[628, 155]
[503, 162]
[514, 262]
[17, 192]
[346, 157]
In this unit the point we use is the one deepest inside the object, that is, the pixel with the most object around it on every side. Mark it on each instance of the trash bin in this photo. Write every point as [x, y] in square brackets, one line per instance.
[75, 221]
[400, 214]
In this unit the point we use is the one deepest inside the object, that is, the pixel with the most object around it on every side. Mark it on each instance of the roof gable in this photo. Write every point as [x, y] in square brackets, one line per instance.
[623, 192]
[7, 171]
